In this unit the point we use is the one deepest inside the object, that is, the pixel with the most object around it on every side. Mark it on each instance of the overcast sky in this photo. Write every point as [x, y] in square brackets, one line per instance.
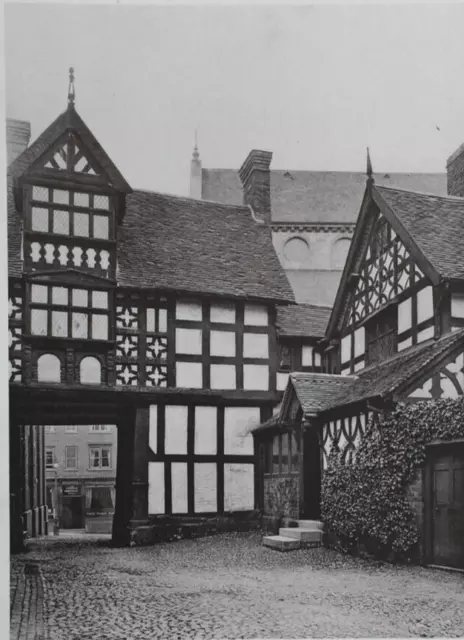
[315, 85]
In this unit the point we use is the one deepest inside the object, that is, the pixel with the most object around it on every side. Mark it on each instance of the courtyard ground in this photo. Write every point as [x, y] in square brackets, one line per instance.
[226, 586]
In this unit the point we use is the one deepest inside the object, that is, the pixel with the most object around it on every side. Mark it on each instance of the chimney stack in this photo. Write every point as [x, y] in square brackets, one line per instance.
[195, 173]
[455, 173]
[18, 135]
[255, 175]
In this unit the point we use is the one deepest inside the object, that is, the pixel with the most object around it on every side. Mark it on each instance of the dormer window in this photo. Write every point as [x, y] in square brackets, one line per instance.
[70, 213]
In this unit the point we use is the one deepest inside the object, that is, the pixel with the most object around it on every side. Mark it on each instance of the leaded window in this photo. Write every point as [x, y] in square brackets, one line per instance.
[70, 213]
[69, 312]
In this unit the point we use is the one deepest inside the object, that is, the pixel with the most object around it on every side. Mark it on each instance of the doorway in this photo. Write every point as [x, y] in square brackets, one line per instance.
[446, 506]
[72, 513]
[311, 470]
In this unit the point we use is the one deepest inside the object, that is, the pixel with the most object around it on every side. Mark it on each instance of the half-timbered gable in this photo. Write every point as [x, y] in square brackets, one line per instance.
[154, 312]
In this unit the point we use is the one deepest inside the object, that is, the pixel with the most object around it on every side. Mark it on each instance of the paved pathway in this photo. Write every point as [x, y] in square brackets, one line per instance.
[226, 586]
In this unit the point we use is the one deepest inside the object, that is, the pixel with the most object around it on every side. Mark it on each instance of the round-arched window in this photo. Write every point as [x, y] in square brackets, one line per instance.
[296, 249]
[90, 370]
[48, 368]
[340, 252]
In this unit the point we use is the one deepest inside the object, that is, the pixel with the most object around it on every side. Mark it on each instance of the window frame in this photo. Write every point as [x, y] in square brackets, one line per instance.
[66, 457]
[50, 450]
[100, 449]
[70, 308]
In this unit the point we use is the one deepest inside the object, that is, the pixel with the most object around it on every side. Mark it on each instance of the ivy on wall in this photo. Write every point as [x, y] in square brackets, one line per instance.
[364, 503]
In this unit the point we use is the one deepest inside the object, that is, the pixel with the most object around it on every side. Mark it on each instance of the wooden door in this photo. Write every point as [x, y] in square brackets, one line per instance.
[72, 515]
[311, 470]
[448, 508]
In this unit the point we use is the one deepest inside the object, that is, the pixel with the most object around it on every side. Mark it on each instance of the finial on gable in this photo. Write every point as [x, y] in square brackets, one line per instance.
[196, 153]
[71, 89]
[369, 171]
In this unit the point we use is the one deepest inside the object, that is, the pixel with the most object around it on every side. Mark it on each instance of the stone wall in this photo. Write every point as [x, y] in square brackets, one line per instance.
[281, 496]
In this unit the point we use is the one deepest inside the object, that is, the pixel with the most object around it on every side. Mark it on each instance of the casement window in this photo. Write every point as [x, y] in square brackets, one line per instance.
[66, 312]
[70, 457]
[49, 457]
[281, 454]
[100, 457]
[381, 336]
[69, 213]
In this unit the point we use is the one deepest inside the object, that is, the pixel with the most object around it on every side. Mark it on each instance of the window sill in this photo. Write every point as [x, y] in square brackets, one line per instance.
[99, 469]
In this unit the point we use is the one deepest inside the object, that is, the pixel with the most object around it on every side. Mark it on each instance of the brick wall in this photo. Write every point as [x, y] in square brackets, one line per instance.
[281, 496]
[455, 173]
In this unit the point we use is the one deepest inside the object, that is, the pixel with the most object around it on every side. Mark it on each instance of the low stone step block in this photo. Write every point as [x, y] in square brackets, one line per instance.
[310, 524]
[305, 535]
[281, 543]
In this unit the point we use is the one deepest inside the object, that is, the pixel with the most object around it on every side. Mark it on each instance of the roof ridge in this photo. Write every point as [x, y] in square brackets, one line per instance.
[190, 199]
[419, 193]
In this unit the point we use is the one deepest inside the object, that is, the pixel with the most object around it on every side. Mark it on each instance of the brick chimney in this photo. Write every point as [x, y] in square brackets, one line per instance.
[18, 135]
[455, 173]
[195, 173]
[255, 175]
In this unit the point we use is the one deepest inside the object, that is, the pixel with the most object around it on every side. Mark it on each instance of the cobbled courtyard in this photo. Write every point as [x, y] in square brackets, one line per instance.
[226, 586]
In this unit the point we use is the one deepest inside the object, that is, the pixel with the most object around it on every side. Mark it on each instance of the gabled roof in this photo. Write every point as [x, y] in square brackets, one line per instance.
[319, 393]
[314, 196]
[302, 320]
[68, 120]
[169, 242]
[436, 224]
[316, 390]
[430, 227]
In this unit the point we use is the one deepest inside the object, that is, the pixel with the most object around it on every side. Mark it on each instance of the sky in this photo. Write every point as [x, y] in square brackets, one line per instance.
[313, 84]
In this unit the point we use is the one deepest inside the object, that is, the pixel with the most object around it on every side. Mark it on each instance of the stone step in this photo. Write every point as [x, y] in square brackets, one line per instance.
[305, 535]
[281, 543]
[310, 524]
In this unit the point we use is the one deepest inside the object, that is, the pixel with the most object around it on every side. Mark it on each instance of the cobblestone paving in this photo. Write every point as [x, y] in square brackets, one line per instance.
[229, 586]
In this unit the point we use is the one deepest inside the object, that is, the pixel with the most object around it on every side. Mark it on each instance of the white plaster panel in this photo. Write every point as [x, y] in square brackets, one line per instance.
[346, 348]
[205, 493]
[423, 392]
[404, 315]
[256, 315]
[238, 422]
[90, 370]
[189, 311]
[424, 304]
[426, 334]
[222, 313]
[205, 430]
[405, 344]
[175, 429]
[156, 501]
[153, 428]
[188, 341]
[359, 365]
[255, 345]
[222, 343]
[223, 376]
[317, 359]
[457, 305]
[359, 342]
[256, 377]
[179, 499]
[189, 375]
[238, 487]
[282, 381]
[306, 355]
[48, 368]
[448, 388]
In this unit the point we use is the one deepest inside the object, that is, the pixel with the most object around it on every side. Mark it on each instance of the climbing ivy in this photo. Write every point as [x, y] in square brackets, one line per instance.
[365, 502]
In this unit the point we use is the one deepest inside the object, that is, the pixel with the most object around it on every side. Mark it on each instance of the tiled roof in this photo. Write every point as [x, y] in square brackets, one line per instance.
[435, 223]
[389, 376]
[316, 390]
[189, 245]
[302, 320]
[315, 196]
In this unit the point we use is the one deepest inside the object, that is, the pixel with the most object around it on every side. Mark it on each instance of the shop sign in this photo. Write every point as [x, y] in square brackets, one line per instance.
[71, 490]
